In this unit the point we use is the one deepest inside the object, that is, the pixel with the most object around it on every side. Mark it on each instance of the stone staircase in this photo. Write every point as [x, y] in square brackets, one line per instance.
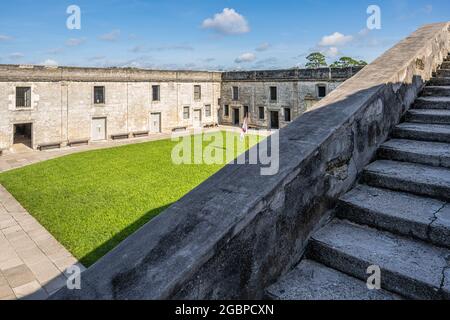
[397, 217]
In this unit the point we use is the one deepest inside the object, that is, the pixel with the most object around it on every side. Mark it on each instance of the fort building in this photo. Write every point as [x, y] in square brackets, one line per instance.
[58, 106]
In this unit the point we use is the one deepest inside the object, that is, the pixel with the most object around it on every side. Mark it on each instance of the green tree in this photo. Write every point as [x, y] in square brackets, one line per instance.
[316, 60]
[348, 62]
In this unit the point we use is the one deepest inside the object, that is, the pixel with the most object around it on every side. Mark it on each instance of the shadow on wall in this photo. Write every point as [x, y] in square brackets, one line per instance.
[100, 251]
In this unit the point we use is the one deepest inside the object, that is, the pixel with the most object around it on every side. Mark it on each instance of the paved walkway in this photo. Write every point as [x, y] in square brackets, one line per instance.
[32, 261]
[9, 161]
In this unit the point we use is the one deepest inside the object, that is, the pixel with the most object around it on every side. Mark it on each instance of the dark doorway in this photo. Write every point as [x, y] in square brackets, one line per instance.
[236, 117]
[23, 134]
[274, 120]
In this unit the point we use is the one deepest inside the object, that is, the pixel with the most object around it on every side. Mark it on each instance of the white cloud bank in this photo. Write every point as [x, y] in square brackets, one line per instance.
[245, 57]
[335, 39]
[227, 22]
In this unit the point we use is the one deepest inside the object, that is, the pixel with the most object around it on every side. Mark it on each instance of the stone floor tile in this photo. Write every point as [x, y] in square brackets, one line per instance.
[55, 284]
[27, 289]
[18, 276]
[32, 256]
[40, 294]
[7, 223]
[10, 263]
[11, 230]
[63, 264]
[6, 291]
[45, 271]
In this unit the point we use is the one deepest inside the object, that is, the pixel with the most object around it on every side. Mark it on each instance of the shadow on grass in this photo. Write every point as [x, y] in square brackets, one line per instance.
[93, 256]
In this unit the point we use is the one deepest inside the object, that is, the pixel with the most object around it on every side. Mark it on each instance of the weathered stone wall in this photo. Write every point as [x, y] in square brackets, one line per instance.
[292, 94]
[62, 105]
[239, 231]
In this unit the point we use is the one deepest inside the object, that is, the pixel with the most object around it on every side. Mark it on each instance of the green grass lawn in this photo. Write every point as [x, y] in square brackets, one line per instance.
[91, 201]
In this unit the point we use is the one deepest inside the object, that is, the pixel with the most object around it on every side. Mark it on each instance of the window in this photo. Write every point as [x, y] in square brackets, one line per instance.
[287, 114]
[226, 111]
[235, 93]
[208, 110]
[273, 94]
[245, 111]
[197, 92]
[186, 113]
[321, 91]
[99, 95]
[155, 93]
[23, 97]
[262, 115]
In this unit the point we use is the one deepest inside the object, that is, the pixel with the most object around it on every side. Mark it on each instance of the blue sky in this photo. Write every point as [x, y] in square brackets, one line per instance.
[205, 34]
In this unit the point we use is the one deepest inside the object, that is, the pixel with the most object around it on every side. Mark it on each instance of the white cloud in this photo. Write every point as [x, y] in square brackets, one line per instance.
[111, 36]
[75, 42]
[227, 22]
[263, 47]
[16, 55]
[245, 57]
[332, 52]
[50, 63]
[4, 37]
[335, 39]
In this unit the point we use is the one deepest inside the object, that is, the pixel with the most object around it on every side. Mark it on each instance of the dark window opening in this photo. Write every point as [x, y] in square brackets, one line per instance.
[186, 113]
[23, 97]
[274, 120]
[235, 93]
[245, 111]
[155, 93]
[261, 113]
[23, 134]
[321, 91]
[273, 94]
[287, 114]
[208, 110]
[197, 92]
[226, 111]
[99, 95]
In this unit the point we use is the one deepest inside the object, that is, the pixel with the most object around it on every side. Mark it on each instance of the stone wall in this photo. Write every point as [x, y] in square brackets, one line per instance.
[239, 231]
[62, 104]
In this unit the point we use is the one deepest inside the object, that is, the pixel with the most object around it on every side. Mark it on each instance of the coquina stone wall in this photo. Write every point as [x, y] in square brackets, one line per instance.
[297, 90]
[62, 103]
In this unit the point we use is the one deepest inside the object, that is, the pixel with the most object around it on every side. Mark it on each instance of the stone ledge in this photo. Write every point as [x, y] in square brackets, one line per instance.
[238, 232]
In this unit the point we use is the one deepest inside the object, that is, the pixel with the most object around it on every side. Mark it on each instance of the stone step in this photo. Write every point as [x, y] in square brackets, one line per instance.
[410, 268]
[422, 131]
[432, 103]
[436, 116]
[430, 153]
[436, 91]
[409, 177]
[314, 281]
[443, 73]
[398, 212]
[439, 82]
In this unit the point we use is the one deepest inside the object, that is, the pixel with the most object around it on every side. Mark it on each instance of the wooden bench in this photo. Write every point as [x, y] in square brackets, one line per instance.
[255, 127]
[177, 129]
[50, 145]
[211, 125]
[78, 142]
[119, 136]
[139, 134]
